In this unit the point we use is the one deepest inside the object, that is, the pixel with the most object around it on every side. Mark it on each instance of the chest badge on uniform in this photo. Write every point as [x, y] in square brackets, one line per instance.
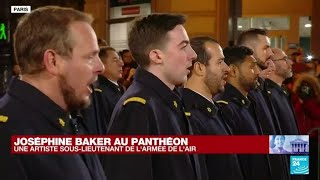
[62, 123]
[209, 109]
[175, 104]
[243, 102]
[3, 118]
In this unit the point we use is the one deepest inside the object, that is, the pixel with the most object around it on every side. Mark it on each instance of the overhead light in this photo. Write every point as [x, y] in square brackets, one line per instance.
[239, 26]
[307, 25]
[309, 57]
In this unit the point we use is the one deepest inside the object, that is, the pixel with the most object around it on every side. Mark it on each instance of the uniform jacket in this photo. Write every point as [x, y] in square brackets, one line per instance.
[29, 112]
[111, 94]
[239, 113]
[270, 126]
[149, 107]
[206, 119]
[279, 100]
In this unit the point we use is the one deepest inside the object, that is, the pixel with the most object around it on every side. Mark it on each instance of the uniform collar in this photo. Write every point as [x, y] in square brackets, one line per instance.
[151, 81]
[233, 94]
[272, 85]
[39, 102]
[194, 100]
[104, 81]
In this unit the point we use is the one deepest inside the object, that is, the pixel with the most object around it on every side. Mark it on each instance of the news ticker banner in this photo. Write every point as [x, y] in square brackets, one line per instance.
[36, 144]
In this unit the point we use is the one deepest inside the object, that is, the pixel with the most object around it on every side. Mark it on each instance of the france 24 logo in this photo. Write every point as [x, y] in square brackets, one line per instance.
[299, 165]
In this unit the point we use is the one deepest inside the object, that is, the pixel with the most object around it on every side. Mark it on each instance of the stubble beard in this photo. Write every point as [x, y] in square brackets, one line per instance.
[69, 96]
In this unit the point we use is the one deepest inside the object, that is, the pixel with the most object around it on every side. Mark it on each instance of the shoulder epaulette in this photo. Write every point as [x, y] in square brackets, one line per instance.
[135, 99]
[3, 118]
[222, 102]
[97, 89]
[187, 114]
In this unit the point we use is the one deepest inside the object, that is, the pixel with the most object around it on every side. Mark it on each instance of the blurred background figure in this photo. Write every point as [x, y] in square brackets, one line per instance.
[306, 101]
[108, 81]
[129, 68]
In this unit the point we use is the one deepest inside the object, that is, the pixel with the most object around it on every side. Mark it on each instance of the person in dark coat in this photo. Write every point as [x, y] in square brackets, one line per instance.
[238, 109]
[110, 90]
[277, 96]
[279, 99]
[58, 53]
[151, 106]
[259, 42]
[207, 78]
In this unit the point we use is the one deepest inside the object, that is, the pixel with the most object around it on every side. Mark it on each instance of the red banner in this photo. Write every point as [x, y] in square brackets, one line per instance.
[140, 144]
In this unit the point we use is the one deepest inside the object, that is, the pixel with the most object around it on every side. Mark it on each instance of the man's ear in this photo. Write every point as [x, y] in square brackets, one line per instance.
[233, 70]
[199, 69]
[50, 61]
[156, 56]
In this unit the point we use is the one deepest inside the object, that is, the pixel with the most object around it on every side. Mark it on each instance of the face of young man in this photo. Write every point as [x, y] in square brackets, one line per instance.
[113, 66]
[178, 56]
[248, 73]
[79, 71]
[262, 50]
[216, 70]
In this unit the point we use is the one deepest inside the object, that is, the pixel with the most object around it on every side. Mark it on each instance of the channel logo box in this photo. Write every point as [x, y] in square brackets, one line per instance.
[20, 9]
[289, 144]
[299, 165]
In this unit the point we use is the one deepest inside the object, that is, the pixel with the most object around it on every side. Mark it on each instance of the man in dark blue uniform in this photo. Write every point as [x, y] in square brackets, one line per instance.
[278, 100]
[258, 41]
[277, 96]
[239, 110]
[111, 91]
[160, 45]
[207, 78]
[58, 53]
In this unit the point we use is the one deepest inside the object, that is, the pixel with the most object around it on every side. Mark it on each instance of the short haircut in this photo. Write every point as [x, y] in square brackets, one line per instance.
[103, 53]
[236, 54]
[45, 28]
[198, 45]
[250, 35]
[150, 33]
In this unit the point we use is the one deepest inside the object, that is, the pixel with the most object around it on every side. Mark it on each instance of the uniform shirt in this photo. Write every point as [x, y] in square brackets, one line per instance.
[149, 107]
[30, 112]
[278, 99]
[239, 113]
[206, 119]
[111, 93]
